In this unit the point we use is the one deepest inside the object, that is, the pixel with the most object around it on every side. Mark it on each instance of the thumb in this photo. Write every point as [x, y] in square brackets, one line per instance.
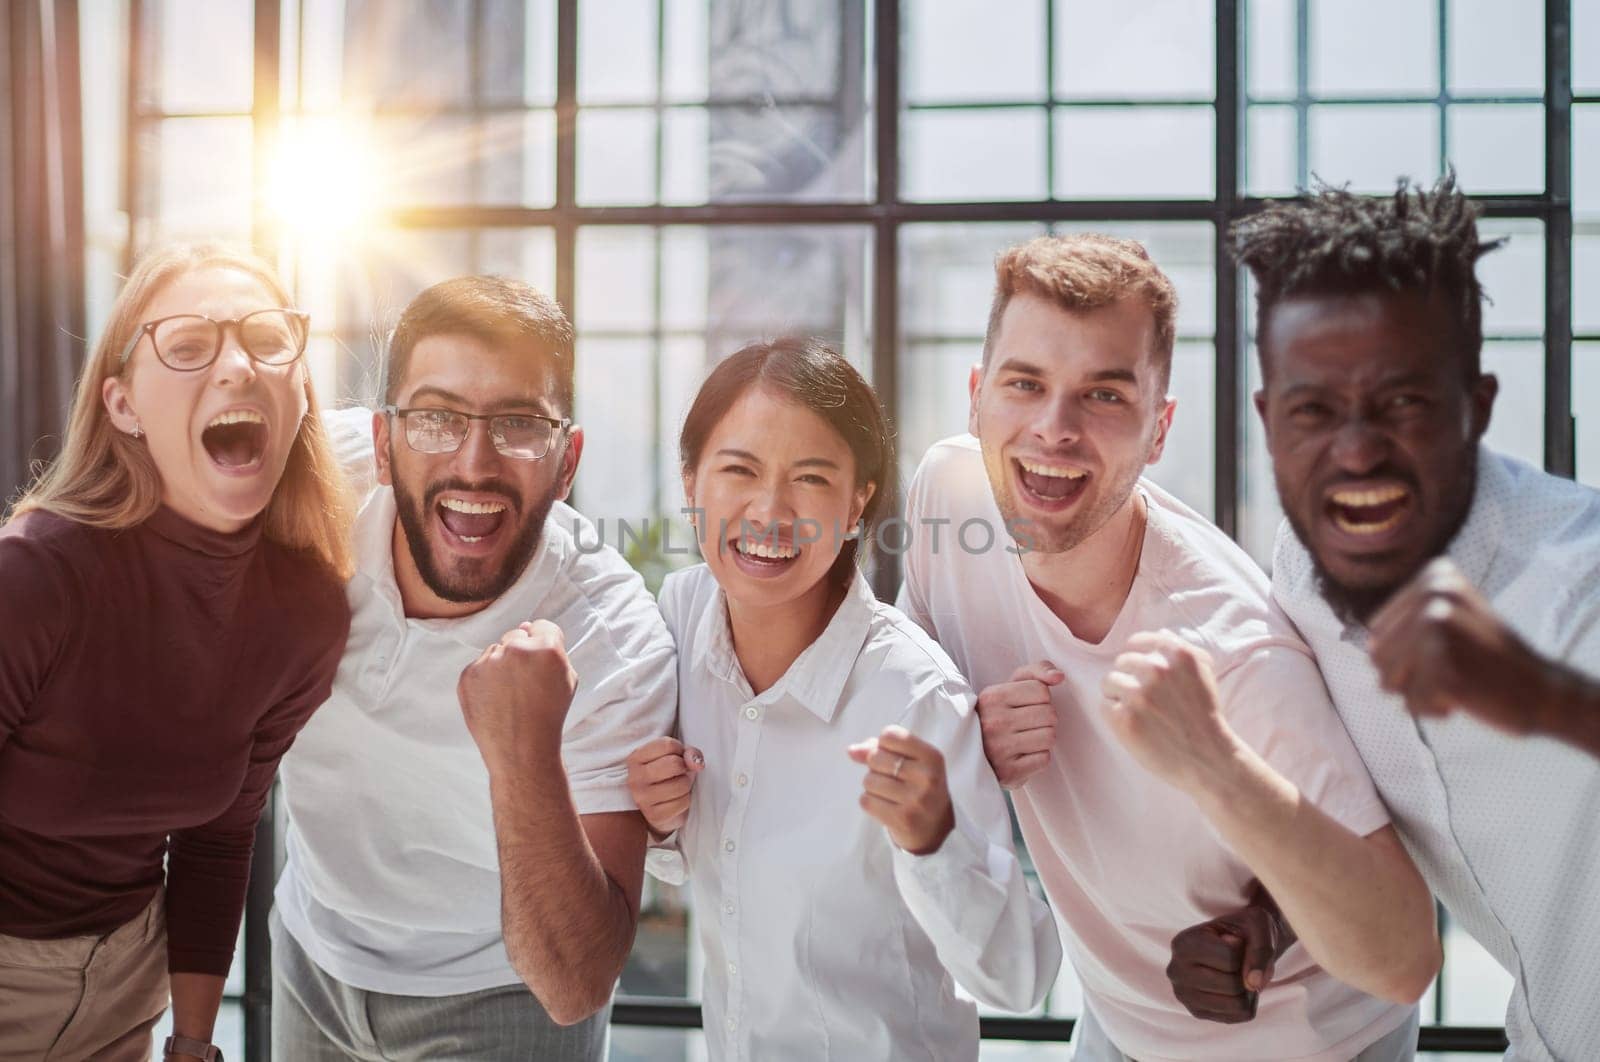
[694, 759]
[1039, 671]
[1258, 963]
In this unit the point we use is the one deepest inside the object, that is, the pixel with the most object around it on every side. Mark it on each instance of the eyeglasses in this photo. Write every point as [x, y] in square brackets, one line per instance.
[189, 342]
[524, 436]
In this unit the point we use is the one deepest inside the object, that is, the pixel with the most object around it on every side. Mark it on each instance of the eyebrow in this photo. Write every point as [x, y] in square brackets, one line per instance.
[1027, 368]
[441, 394]
[804, 462]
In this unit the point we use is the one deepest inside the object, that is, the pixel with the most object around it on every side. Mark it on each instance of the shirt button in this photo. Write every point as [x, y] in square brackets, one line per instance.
[743, 780]
[732, 1025]
[727, 908]
[751, 712]
[727, 846]
[733, 970]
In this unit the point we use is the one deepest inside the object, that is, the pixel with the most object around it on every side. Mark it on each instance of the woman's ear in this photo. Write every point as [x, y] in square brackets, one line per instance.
[118, 402]
[859, 504]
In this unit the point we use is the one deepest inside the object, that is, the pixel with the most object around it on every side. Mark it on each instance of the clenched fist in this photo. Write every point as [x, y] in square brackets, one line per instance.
[904, 788]
[1019, 723]
[1162, 703]
[515, 696]
[661, 778]
[1219, 968]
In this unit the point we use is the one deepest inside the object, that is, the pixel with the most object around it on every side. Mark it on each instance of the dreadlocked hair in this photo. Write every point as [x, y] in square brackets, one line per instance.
[1335, 242]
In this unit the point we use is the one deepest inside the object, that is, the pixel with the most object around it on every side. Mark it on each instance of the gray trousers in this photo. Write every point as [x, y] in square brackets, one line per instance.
[1090, 1043]
[316, 1018]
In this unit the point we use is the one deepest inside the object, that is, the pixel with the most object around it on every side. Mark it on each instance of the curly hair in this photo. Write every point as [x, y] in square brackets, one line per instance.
[1335, 242]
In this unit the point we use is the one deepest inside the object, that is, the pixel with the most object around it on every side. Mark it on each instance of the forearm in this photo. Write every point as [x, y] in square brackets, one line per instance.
[1572, 709]
[1357, 903]
[568, 927]
[195, 1000]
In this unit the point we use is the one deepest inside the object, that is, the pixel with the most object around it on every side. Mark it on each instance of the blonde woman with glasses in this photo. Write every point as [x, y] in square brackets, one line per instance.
[171, 612]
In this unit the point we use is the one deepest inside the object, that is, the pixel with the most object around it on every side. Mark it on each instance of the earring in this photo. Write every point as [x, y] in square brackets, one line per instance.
[138, 431]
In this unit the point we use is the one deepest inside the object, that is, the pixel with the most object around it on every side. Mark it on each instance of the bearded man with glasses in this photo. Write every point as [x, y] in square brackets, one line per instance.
[464, 860]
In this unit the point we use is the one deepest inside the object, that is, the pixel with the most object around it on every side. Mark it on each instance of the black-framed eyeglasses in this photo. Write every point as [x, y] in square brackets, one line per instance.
[189, 342]
[524, 436]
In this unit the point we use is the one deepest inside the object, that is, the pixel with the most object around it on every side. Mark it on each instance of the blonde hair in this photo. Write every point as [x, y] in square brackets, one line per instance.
[1086, 271]
[104, 478]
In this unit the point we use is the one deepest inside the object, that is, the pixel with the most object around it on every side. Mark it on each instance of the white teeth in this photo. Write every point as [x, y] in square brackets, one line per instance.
[1361, 499]
[1353, 528]
[237, 416]
[472, 538]
[472, 509]
[1053, 471]
[767, 550]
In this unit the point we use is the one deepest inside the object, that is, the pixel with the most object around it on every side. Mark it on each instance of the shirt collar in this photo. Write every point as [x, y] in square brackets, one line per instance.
[818, 675]
[1474, 546]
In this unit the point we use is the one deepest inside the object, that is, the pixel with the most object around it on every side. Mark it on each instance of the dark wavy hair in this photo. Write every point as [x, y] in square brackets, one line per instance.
[1335, 242]
[812, 375]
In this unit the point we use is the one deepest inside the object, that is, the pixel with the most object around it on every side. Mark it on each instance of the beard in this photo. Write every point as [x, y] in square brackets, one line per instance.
[1355, 605]
[469, 580]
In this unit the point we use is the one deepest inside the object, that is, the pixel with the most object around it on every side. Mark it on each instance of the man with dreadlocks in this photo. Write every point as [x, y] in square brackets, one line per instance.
[1451, 594]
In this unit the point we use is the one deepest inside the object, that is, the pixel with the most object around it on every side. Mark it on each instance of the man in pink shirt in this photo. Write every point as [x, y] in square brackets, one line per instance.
[1169, 742]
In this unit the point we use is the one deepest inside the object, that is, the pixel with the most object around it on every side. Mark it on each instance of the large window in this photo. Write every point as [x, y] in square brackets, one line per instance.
[689, 175]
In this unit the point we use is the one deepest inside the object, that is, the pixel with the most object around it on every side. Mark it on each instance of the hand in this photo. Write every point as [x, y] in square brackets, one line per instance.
[660, 777]
[1439, 644]
[1162, 703]
[1219, 968]
[1019, 723]
[905, 789]
[515, 696]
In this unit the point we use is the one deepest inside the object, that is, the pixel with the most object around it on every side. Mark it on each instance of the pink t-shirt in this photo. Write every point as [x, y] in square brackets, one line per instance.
[1127, 860]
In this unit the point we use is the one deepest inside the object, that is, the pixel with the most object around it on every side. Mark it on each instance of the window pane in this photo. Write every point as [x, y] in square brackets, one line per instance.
[687, 50]
[1586, 409]
[1272, 166]
[1586, 47]
[1259, 511]
[1476, 987]
[516, 159]
[1186, 467]
[1371, 145]
[958, 50]
[1586, 161]
[1496, 48]
[1513, 277]
[977, 154]
[428, 160]
[1134, 152]
[1157, 48]
[196, 55]
[617, 157]
[1374, 47]
[617, 51]
[518, 42]
[1498, 147]
[1586, 279]
[1270, 48]
[197, 179]
[1517, 425]
[408, 55]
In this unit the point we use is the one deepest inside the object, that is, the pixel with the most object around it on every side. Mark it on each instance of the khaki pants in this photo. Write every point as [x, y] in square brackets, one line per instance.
[85, 997]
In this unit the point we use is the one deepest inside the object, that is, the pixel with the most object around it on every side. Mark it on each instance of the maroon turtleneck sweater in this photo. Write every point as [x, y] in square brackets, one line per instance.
[150, 680]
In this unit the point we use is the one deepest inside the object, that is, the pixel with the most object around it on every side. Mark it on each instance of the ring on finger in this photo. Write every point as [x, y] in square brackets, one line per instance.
[899, 762]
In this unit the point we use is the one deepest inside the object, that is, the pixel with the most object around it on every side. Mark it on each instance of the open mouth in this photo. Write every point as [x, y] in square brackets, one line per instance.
[236, 440]
[763, 557]
[471, 522]
[1048, 486]
[1369, 511]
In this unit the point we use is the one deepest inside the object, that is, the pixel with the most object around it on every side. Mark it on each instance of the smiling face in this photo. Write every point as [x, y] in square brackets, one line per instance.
[1373, 429]
[219, 436]
[1069, 408]
[776, 489]
[472, 519]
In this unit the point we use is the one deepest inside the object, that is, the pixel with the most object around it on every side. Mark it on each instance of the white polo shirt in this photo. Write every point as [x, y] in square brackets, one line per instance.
[392, 882]
[1505, 829]
[822, 938]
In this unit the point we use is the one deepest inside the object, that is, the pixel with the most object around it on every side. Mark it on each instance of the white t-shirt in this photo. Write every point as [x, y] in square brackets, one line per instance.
[1505, 829]
[392, 881]
[822, 938]
[1127, 860]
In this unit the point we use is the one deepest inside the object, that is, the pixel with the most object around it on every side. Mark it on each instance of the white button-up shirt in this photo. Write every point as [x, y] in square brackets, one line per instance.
[392, 881]
[822, 939]
[1505, 829]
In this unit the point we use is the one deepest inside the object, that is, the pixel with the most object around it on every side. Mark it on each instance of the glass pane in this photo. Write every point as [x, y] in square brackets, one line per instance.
[933, 396]
[1371, 145]
[1586, 409]
[976, 154]
[1586, 47]
[616, 279]
[617, 157]
[1586, 161]
[427, 160]
[1498, 147]
[516, 159]
[961, 50]
[1496, 48]
[1517, 425]
[1134, 152]
[686, 50]
[947, 278]
[1270, 48]
[407, 55]
[685, 170]
[1272, 164]
[1157, 48]
[196, 56]
[197, 178]
[800, 152]
[617, 51]
[1586, 279]
[518, 43]
[1513, 278]
[1351, 56]
[1186, 467]
[1476, 987]
[1259, 511]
